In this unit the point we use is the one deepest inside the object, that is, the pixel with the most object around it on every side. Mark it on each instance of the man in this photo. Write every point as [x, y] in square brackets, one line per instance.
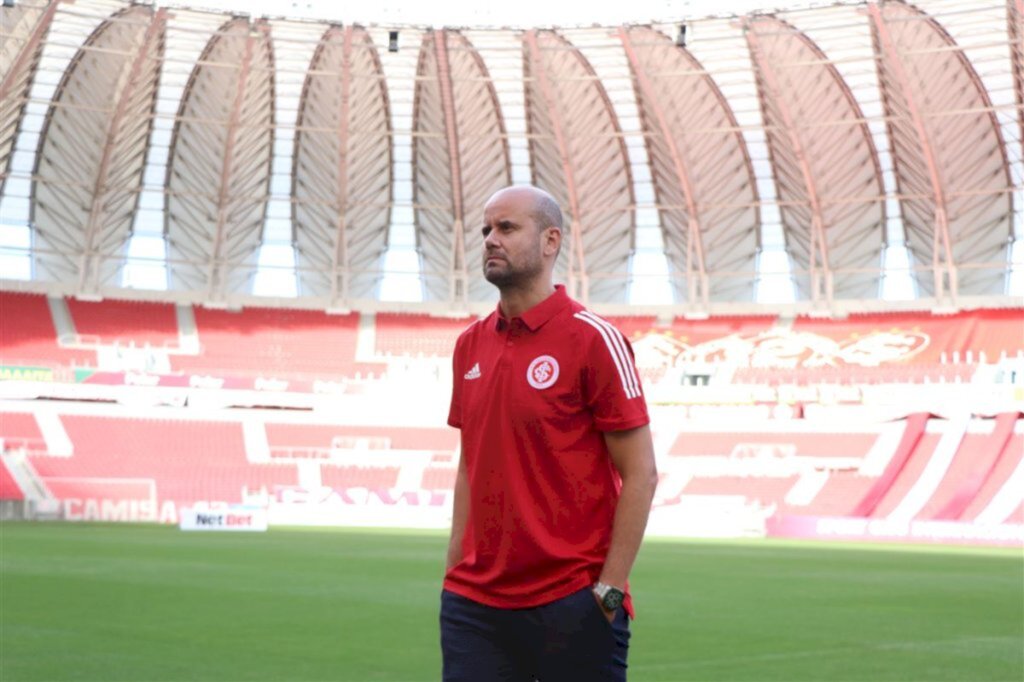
[557, 472]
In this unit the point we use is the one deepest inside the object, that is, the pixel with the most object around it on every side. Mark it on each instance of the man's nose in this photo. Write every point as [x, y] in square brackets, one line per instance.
[491, 239]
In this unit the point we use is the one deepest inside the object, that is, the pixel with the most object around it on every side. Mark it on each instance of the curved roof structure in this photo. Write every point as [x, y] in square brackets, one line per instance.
[341, 204]
[825, 164]
[578, 155]
[460, 158]
[25, 28]
[700, 167]
[947, 146]
[218, 179]
[84, 197]
[729, 160]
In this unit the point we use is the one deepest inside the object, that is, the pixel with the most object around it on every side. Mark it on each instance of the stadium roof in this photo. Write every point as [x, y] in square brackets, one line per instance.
[840, 153]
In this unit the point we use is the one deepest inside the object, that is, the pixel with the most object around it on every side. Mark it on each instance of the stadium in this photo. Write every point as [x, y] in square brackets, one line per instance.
[237, 245]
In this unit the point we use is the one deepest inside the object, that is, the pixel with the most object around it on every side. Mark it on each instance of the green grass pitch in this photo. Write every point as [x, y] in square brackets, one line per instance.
[135, 602]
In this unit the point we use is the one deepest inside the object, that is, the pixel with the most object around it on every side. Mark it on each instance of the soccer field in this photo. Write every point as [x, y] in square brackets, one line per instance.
[133, 602]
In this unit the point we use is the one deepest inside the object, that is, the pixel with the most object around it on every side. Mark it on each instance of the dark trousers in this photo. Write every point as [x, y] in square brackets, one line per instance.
[569, 640]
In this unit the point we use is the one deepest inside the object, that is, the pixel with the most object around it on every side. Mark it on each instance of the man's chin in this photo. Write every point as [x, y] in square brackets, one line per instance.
[497, 276]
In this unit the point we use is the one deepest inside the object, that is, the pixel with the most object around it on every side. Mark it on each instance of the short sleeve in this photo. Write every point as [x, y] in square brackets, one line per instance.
[455, 409]
[612, 389]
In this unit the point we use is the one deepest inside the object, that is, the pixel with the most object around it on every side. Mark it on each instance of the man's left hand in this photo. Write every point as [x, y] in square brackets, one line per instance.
[610, 615]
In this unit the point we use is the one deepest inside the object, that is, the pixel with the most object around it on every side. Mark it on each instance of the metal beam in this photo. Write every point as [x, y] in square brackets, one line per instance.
[580, 287]
[1015, 16]
[818, 264]
[459, 283]
[941, 242]
[28, 50]
[340, 270]
[89, 273]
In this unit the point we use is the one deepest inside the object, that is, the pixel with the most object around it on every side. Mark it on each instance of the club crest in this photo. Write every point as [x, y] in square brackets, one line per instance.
[543, 372]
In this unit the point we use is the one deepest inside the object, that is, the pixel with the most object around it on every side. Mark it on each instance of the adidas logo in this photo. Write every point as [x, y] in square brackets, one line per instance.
[474, 373]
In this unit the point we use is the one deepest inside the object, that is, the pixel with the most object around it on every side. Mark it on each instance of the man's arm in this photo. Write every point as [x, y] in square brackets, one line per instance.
[632, 454]
[460, 513]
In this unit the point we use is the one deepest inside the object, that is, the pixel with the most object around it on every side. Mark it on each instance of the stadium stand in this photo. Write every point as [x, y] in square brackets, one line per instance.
[286, 438]
[415, 335]
[976, 460]
[275, 342]
[999, 478]
[988, 333]
[20, 431]
[821, 444]
[114, 322]
[909, 474]
[28, 335]
[9, 488]
[185, 461]
[788, 379]
[775, 467]
[342, 477]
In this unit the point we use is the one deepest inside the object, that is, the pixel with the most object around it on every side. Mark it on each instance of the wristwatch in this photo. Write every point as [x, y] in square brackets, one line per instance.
[611, 597]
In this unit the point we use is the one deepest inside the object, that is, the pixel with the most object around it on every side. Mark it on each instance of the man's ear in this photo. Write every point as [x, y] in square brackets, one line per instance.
[552, 241]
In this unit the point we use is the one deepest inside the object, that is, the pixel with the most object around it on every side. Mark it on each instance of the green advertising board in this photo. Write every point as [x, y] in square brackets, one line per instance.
[24, 373]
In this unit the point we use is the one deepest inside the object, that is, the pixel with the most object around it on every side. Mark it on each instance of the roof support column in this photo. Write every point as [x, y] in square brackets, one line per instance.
[579, 283]
[459, 289]
[943, 266]
[817, 257]
[340, 272]
[696, 273]
[1015, 16]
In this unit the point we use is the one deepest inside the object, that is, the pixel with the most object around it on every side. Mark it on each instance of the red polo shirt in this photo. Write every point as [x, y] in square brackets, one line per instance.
[532, 397]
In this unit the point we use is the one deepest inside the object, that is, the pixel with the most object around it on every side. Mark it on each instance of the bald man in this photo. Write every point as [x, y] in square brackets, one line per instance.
[557, 472]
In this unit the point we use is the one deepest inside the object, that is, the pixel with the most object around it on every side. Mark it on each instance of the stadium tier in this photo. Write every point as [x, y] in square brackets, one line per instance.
[343, 477]
[900, 348]
[414, 335]
[119, 322]
[284, 438]
[28, 335]
[170, 460]
[19, 430]
[274, 342]
[917, 469]
[9, 488]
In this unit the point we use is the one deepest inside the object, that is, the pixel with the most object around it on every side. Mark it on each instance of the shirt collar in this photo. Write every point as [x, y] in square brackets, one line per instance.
[537, 316]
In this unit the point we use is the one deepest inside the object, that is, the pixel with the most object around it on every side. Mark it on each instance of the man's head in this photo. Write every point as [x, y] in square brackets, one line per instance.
[522, 236]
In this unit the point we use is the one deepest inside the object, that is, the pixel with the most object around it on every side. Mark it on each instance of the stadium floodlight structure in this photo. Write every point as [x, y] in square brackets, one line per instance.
[828, 139]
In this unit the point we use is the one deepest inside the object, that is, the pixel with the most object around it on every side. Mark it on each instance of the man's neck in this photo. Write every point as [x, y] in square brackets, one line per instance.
[515, 302]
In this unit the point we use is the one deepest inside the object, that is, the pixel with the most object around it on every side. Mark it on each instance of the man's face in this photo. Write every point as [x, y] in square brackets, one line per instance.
[513, 242]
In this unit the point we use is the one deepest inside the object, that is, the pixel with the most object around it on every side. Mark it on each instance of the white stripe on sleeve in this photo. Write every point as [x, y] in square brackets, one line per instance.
[617, 349]
[620, 342]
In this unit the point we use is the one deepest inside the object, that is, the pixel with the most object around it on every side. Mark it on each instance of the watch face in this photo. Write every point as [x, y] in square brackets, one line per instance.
[613, 599]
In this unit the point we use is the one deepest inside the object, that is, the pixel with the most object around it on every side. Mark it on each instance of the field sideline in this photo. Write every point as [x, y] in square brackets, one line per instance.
[138, 602]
